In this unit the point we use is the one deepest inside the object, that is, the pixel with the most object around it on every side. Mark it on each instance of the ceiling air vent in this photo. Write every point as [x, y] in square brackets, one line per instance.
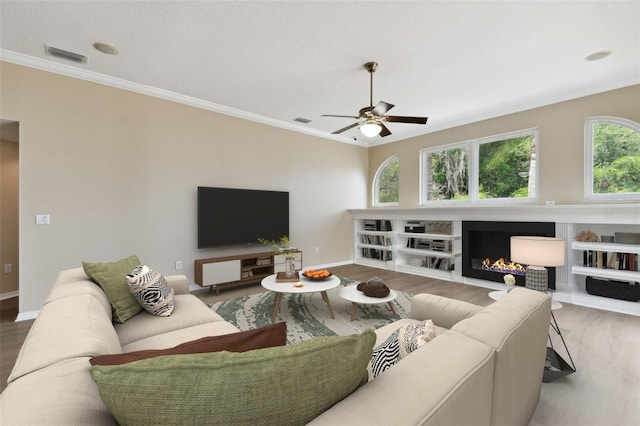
[65, 54]
[302, 120]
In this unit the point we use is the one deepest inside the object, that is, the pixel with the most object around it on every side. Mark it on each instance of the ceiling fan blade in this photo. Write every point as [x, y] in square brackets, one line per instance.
[382, 108]
[341, 116]
[400, 119]
[385, 131]
[344, 129]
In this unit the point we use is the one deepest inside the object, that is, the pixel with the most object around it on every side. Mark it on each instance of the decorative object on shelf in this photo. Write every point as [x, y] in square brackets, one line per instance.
[509, 279]
[284, 248]
[627, 237]
[587, 237]
[537, 252]
[375, 287]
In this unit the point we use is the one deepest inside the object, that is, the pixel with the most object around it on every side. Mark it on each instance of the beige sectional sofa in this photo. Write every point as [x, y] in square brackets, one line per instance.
[483, 368]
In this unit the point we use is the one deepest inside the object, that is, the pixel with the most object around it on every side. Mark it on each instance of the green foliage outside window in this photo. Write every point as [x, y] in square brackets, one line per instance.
[388, 183]
[616, 159]
[504, 168]
[449, 174]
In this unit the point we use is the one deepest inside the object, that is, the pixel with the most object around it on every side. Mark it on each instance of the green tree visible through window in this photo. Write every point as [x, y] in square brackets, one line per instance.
[388, 182]
[449, 178]
[505, 168]
[616, 159]
[500, 167]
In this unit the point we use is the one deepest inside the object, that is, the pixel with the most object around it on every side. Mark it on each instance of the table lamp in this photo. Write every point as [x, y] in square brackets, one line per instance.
[536, 253]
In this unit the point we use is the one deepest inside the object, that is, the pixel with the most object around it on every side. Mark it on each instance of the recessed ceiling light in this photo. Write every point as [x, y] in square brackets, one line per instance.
[106, 48]
[596, 56]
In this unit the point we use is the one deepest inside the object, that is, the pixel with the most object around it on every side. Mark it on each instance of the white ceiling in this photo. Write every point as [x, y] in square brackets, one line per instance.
[453, 61]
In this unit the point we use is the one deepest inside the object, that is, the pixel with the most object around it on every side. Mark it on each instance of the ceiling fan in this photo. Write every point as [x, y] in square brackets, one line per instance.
[372, 118]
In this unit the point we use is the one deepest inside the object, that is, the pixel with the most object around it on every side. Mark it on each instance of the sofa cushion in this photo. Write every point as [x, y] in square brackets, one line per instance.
[446, 382]
[242, 341]
[187, 312]
[401, 343]
[151, 290]
[61, 394]
[281, 386]
[111, 277]
[66, 328]
[516, 327]
[183, 335]
[72, 282]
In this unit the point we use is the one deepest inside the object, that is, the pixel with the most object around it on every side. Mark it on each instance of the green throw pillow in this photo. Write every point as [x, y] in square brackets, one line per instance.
[284, 385]
[111, 276]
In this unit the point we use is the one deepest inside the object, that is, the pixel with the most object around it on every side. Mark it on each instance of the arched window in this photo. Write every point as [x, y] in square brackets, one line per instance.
[386, 183]
[612, 158]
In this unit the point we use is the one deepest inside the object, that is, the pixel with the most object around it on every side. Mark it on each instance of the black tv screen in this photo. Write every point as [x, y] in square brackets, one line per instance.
[230, 216]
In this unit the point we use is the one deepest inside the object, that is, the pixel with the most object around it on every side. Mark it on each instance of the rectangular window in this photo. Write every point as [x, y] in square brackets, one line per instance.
[447, 174]
[501, 167]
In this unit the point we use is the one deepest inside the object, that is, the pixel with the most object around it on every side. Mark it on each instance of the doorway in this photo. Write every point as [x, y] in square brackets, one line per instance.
[9, 219]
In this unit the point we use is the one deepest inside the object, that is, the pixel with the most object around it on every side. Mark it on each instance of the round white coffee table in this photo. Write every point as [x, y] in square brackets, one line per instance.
[309, 286]
[356, 297]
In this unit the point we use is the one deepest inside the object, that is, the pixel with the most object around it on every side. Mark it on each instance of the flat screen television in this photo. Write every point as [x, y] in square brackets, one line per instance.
[232, 216]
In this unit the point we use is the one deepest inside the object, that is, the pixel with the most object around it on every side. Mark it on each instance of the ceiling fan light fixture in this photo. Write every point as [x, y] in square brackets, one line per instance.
[370, 130]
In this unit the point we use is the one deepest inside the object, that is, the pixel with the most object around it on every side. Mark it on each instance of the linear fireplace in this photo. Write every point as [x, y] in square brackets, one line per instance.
[486, 249]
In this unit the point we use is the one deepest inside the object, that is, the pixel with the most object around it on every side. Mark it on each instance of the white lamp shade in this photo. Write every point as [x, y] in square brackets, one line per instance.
[537, 251]
[370, 129]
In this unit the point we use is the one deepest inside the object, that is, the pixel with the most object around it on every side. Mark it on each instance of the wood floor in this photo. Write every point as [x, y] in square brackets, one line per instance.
[605, 347]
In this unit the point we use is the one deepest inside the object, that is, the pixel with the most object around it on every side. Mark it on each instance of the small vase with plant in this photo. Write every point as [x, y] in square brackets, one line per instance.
[283, 247]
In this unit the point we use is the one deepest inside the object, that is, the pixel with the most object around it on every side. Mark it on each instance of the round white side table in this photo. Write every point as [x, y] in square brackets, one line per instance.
[356, 297]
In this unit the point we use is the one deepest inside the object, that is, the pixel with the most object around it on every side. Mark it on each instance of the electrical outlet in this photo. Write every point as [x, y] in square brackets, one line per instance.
[7, 268]
[43, 219]
[178, 265]
[317, 250]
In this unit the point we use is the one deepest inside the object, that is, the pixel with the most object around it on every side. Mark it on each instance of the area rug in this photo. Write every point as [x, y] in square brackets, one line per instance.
[307, 315]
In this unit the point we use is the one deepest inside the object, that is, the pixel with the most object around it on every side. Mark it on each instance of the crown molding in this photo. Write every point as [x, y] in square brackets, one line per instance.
[461, 120]
[118, 83]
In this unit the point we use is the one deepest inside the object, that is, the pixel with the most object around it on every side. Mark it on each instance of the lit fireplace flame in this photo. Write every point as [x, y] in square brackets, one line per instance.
[504, 266]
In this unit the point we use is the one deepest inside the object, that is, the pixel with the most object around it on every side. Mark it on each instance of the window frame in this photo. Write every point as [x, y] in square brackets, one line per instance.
[375, 187]
[589, 124]
[473, 164]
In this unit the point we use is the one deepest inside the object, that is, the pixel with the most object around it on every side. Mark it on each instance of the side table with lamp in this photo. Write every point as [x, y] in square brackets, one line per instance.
[537, 253]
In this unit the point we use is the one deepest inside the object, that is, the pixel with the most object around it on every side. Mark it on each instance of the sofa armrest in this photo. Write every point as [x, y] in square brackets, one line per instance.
[444, 312]
[179, 283]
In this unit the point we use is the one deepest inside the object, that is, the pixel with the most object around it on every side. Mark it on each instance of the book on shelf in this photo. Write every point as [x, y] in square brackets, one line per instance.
[384, 255]
[376, 240]
[613, 260]
[377, 225]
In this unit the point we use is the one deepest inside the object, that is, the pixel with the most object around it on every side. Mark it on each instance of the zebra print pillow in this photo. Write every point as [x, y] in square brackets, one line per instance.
[151, 290]
[401, 343]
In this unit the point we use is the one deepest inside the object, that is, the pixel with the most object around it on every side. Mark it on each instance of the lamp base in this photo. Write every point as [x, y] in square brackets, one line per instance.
[536, 278]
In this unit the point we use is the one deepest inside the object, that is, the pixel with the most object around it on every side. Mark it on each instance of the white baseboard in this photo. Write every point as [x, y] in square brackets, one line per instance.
[9, 295]
[25, 316]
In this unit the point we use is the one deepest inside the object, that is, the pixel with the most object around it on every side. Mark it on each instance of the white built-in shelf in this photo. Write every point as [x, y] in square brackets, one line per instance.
[614, 274]
[608, 247]
[374, 246]
[423, 236]
[422, 252]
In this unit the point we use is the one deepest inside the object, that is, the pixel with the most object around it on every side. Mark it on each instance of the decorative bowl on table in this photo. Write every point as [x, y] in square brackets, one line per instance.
[316, 274]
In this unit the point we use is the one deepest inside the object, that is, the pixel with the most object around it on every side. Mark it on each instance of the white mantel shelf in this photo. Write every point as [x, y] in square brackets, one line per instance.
[604, 219]
[575, 213]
